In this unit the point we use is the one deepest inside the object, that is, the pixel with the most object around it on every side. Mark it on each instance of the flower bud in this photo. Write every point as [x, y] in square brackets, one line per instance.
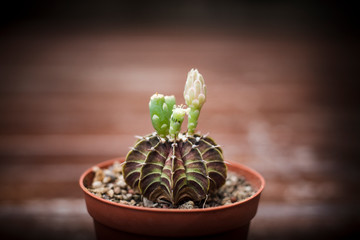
[195, 90]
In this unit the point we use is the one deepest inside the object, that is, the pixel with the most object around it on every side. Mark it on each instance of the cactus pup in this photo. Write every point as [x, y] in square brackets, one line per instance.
[170, 166]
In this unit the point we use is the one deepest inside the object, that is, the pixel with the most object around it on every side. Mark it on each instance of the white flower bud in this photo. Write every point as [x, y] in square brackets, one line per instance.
[195, 89]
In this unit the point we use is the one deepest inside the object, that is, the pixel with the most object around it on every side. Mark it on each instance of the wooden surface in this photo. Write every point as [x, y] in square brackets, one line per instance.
[71, 99]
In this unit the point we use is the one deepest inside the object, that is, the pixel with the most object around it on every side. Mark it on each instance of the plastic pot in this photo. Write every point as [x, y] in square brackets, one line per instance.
[119, 220]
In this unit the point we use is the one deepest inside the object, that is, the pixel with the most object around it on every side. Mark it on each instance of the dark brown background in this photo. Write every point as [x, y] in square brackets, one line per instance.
[282, 88]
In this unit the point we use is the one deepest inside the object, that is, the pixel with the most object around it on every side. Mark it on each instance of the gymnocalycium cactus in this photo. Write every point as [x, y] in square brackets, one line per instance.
[169, 166]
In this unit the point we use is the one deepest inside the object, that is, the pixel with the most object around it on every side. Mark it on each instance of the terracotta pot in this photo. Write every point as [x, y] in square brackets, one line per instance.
[114, 219]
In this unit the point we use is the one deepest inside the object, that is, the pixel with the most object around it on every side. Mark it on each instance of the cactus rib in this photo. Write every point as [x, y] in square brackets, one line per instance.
[177, 171]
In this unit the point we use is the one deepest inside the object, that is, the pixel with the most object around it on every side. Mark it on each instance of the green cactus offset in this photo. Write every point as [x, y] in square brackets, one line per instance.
[169, 166]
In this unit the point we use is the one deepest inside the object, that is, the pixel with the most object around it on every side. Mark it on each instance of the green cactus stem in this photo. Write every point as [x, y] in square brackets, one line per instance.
[161, 108]
[193, 117]
[176, 120]
[195, 97]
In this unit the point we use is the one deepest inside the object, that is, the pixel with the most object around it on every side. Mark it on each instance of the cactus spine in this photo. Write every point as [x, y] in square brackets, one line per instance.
[170, 166]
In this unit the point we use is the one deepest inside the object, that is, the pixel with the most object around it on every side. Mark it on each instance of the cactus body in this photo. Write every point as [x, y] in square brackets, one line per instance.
[186, 169]
[173, 167]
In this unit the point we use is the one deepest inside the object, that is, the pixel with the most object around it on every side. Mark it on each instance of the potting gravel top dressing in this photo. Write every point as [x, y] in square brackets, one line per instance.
[109, 184]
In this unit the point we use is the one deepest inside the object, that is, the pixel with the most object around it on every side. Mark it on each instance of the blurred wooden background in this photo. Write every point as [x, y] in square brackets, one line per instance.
[281, 104]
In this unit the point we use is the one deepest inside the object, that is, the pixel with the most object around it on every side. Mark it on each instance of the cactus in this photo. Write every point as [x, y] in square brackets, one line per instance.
[160, 111]
[195, 96]
[169, 166]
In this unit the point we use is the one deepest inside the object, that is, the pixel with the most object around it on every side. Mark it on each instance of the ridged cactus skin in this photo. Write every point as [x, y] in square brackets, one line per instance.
[186, 169]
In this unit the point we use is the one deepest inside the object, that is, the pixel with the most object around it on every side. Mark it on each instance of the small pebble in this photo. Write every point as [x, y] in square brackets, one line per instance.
[121, 183]
[110, 193]
[117, 167]
[128, 196]
[225, 200]
[100, 190]
[117, 190]
[106, 179]
[187, 205]
[233, 178]
[248, 188]
[124, 202]
[108, 172]
[96, 184]
[99, 174]
[120, 197]
[147, 202]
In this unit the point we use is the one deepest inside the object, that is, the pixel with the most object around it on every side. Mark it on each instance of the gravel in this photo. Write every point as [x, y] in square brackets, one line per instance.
[109, 184]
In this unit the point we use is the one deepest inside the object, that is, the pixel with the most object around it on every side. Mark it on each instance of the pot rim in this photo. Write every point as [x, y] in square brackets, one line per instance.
[169, 210]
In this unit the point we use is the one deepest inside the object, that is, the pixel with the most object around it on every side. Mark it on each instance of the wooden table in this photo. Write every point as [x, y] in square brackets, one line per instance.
[72, 98]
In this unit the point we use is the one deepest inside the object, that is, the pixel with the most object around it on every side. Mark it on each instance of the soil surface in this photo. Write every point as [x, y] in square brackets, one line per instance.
[109, 184]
